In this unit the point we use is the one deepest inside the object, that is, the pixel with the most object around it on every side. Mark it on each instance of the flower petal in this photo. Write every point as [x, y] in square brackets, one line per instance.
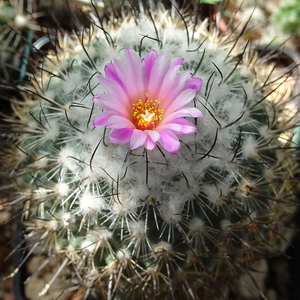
[181, 100]
[172, 126]
[148, 64]
[187, 127]
[120, 136]
[129, 72]
[179, 126]
[154, 135]
[176, 61]
[169, 141]
[113, 88]
[149, 144]
[183, 112]
[111, 73]
[157, 74]
[138, 139]
[102, 118]
[195, 84]
[109, 103]
[135, 68]
[116, 121]
[170, 86]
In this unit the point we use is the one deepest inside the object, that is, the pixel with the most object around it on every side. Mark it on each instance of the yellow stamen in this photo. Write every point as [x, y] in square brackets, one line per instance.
[146, 114]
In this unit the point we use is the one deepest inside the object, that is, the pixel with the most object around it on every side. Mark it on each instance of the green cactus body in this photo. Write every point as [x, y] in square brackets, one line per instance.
[149, 224]
[17, 31]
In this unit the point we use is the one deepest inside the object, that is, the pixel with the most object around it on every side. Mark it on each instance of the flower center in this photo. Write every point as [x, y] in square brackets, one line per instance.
[146, 114]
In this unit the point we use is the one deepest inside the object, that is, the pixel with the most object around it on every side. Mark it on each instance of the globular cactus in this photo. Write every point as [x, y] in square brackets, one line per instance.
[150, 176]
[17, 32]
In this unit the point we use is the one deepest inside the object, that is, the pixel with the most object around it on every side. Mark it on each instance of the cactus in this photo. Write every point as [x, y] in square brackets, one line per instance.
[17, 31]
[136, 215]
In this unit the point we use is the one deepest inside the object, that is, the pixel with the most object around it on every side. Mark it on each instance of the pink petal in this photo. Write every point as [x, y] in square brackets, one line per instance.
[190, 112]
[102, 118]
[179, 126]
[117, 70]
[130, 73]
[148, 64]
[195, 83]
[149, 143]
[172, 125]
[176, 61]
[118, 122]
[110, 72]
[120, 136]
[110, 85]
[157, 74]
[183, 112]
[170, 86]
[188, 127]
[154, 135]
[185, 97]
[169, 141]
[138, 139]
[135, 67]
[109, 103]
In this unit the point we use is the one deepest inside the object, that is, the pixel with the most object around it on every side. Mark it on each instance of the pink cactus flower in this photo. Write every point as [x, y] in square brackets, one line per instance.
[145, 103]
